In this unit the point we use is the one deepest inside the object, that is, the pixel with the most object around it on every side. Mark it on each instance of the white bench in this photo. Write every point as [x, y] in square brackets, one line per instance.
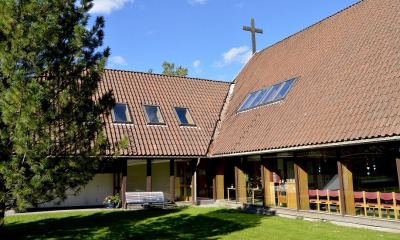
[145, 199]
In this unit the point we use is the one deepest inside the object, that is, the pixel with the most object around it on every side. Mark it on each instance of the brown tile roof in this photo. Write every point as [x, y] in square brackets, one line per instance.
[203, 98]
[348, 88]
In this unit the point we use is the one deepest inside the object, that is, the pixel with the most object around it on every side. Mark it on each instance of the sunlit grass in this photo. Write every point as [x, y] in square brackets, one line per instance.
[177, 223]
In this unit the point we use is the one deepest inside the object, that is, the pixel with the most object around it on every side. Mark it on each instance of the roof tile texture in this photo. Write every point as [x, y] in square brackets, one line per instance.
[203, 98]
[348, 88]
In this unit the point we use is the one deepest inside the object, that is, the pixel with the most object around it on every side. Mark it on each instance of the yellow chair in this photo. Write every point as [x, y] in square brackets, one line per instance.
[359, 201]
[386, 201]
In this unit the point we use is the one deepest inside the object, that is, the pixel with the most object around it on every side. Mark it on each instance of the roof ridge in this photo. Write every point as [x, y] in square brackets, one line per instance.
[304, 29]
[159, 74]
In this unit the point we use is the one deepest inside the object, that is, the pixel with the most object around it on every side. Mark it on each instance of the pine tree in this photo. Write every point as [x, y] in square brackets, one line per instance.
[51, 111]
[169, 70]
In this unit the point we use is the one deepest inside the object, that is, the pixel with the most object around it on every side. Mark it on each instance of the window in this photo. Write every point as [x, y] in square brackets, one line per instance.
[271, 93]
[257, 98]
[284, 89]
[267, 95]
[248, 100]
[120, 113]
[184, 117]
[153, 114]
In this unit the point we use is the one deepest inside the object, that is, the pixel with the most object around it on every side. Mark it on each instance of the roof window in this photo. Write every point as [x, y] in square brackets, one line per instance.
[153, 114]
[120, 113]
[184, 117]
[267, 95]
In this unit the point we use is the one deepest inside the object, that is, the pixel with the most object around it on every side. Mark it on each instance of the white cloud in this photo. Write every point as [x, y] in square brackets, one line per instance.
[107, 6]
[117, 60]
[196, 66]
[240, 55]
[199, 2]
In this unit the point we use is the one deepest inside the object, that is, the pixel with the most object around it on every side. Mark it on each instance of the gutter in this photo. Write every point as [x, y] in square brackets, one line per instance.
[328, 145]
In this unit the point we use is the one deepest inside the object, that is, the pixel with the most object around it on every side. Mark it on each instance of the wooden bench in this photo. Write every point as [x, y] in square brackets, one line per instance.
[145, 199]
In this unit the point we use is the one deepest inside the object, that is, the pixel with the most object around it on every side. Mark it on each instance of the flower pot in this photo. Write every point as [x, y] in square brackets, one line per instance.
[110, 205]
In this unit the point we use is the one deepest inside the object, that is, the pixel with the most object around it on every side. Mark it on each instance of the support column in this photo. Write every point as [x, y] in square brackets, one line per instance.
[148, 174]
[219, 179]
[301, 180]
[341, 190]
[346, 187]
[241, 195]
[398, 169]
[124, 163]
[267, 171]
[172, 180]
[194, 182]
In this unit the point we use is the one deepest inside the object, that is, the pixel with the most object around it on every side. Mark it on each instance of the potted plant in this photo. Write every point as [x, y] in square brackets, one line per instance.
[111, 201]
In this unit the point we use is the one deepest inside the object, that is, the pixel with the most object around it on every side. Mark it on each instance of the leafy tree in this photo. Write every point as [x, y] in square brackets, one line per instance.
[51, 111]
[169, 69]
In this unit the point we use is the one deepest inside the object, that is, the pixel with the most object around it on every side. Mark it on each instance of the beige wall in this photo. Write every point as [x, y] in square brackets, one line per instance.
[91, 195]
[160, 177]
[136, 179]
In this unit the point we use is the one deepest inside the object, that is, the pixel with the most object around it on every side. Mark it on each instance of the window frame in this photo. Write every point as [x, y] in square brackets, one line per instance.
[193, 124]
[128, 114]
[158, 111]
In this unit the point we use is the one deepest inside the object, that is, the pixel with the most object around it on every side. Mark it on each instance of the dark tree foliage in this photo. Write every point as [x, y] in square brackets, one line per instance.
[170, 70]
[51, 111]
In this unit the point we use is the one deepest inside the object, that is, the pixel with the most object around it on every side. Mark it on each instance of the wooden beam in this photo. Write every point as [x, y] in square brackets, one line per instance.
[172, 180]
[241, 194]
[398, 169]
[194, 182]
[268, 185]
[341, 188]
[124, 163]
[348, 191]
[301, 183]
[148, 174]
[219, 179]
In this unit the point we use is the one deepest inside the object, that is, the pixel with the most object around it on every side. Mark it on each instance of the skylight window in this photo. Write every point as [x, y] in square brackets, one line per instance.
[258, 97]
[284, 89]
[184, 117]
[153, 114]
[248, 101]
[267, 95]
[120, 113]
[271, 93]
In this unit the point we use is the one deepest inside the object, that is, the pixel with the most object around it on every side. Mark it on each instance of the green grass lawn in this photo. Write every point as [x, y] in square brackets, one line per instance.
[178, 223]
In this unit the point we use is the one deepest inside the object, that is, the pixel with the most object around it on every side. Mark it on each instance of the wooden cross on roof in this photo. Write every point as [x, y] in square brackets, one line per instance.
[253, 31]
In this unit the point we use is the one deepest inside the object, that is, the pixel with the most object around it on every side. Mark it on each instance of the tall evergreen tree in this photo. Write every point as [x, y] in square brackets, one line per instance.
[51, 111]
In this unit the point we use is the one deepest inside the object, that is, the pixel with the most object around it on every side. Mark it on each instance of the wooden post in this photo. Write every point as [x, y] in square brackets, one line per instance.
[194, 182]
[301, 180]
[124, 163]
[148, 179]
[341, 189]
[241, 194]
[267, 183]
[171, 181]
[398, 169]
[347, 186]
[219, 179]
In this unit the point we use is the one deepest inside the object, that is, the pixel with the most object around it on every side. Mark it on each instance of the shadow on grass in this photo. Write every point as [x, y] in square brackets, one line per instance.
[154, 224]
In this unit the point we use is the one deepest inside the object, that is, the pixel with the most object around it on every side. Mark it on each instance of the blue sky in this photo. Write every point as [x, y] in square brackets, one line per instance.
[204, 36]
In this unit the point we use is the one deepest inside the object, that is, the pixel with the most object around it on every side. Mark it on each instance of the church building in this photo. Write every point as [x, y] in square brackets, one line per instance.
[310, 124]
